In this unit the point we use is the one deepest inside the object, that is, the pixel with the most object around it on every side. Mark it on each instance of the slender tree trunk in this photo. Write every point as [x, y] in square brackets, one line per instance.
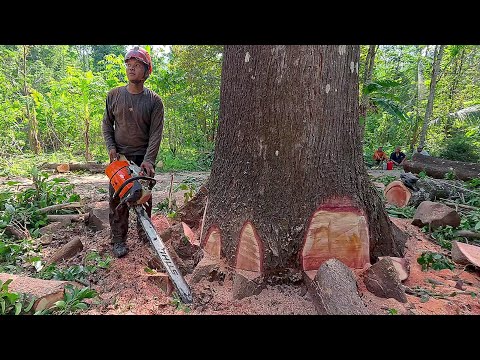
[457, 71]
[288, 187]
[421, 94]
[367, 77]
[437, 59]
[86, 134]
[31, 115]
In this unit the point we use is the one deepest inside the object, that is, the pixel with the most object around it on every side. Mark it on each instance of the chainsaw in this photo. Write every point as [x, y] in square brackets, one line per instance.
[135, 190]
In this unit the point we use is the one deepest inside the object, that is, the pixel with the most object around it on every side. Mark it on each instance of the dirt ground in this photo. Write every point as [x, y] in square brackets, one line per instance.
[127, 288]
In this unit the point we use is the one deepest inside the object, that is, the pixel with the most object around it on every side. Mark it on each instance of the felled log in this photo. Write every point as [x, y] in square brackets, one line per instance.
[465, 253]
[45, 292]
[438, 167]
[92, 167]
[435, 189]
[68, 217]
[67, 251]
[59, 207]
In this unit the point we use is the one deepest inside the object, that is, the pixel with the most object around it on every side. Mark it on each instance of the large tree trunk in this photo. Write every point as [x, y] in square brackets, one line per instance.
[288, 187]
[438, 167]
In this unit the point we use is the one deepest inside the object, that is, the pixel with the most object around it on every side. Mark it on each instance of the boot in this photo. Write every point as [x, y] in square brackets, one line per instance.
[119, 249]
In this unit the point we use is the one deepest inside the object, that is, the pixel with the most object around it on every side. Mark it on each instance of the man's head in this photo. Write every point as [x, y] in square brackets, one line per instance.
[398, 149]
[419, 149]
[380, 148]
[138, 64]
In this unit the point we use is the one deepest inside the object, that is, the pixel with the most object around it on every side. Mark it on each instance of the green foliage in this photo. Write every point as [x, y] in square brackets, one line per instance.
[190, 190]
[12, 303]
[392, 311]
[386, 179]
[473, 183]
[22, 207]
[422, 175]
[93, 261]
[450, 175]
[444, 235]
[72, 301]
[460, 148]
[406, 212]
[16, 254]
[177, 303]
[436, 261]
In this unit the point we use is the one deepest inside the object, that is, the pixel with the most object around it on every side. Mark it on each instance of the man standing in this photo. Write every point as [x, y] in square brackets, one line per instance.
[132, 126]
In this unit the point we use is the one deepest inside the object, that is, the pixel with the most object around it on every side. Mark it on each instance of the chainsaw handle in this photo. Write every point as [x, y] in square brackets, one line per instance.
[130, 180]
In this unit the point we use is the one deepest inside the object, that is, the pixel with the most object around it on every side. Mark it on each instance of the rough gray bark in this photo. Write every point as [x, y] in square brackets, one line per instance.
[288, 143]
[336, 291]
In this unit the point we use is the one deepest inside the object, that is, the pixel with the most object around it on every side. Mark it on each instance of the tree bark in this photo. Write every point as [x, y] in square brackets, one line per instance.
[288, 187]
[438, 167]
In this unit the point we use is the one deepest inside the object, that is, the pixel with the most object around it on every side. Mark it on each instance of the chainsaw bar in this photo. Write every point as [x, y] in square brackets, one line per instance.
[172, 270]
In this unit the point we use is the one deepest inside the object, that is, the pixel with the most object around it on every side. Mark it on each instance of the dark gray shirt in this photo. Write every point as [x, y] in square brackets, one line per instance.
[133, 123]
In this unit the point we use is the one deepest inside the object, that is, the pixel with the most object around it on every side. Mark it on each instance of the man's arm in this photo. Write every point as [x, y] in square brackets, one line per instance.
[155, 135]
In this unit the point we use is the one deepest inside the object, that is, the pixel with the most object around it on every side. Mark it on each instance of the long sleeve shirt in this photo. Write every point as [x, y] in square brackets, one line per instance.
[133, 123]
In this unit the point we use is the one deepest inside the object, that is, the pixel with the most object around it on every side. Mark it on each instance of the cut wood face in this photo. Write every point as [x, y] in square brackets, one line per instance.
[336, 234]
[213, 242]
[397, 194]
[249, 251]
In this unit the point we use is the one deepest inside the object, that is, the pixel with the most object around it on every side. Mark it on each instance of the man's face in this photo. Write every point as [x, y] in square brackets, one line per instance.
[135, 70]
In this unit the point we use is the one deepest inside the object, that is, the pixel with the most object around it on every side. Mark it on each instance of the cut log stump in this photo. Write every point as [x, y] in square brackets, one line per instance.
[396, 193]
[46, 292]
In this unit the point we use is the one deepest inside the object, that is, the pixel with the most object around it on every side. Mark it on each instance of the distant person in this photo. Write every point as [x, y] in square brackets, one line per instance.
[398, 156]
[421, 150]
[380, 156]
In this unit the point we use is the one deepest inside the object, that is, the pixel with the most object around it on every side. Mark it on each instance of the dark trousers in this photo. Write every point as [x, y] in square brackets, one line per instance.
[118, 217]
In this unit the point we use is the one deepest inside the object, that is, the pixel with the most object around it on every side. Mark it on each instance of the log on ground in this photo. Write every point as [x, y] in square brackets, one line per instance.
[438, 167]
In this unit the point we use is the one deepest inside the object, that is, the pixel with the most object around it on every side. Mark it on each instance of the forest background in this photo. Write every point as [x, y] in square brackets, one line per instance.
[52, 99]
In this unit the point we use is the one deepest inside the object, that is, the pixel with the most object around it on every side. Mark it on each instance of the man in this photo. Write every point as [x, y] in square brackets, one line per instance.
[422, 151]
[379, 155]
[397, 156]
[132, 126]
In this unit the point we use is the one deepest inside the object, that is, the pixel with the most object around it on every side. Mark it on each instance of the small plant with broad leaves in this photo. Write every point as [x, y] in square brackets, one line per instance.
[444, 235]
[386, 179]
[12, 303]
[450, 175]
[178, 304]
[422, 175]
[436, 261]
[71, 303]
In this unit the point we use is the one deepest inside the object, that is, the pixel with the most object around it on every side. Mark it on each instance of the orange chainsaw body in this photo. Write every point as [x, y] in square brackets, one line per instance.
[121, 173]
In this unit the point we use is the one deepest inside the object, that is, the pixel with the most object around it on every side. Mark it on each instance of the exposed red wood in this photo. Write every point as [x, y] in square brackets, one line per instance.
[212, 242]
[249, 250]
[397, 193]
[336, 233]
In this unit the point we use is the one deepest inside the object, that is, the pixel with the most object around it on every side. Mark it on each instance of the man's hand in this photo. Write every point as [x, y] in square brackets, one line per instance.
[113, 155]
[147, 169]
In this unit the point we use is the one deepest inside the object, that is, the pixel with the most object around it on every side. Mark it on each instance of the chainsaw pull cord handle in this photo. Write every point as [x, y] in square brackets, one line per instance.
[152, 180]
